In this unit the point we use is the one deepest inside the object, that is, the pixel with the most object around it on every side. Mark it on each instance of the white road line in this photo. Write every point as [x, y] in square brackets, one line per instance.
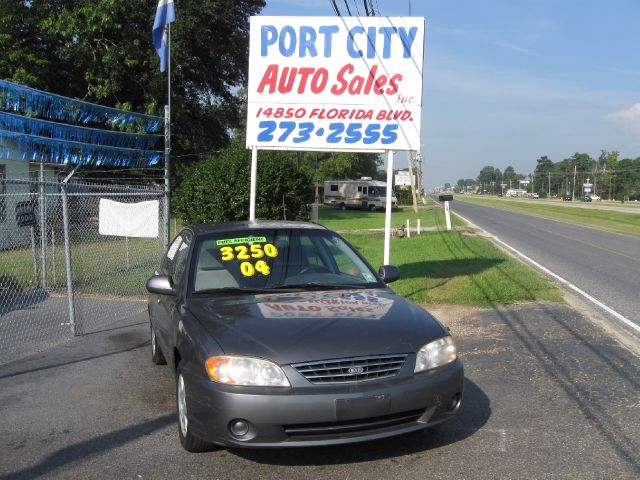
[607, 309]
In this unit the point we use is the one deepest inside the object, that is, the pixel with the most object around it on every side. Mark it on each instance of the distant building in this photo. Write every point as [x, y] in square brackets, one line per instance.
[516, 192]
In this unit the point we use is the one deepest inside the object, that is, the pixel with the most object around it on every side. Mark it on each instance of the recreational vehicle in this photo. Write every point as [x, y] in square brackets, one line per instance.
[364, 193]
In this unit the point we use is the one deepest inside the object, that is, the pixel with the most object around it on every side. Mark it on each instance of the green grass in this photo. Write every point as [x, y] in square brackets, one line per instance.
[97, 267]
[350, 220]
[456, 268]
[584, 215]
[436, 267]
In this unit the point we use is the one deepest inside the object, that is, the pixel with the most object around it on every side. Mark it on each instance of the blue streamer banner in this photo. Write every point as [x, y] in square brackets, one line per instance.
[19, 146]
[73, 133]
[26, 100]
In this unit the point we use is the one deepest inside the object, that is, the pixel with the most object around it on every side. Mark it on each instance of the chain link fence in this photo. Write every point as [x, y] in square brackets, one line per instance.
[70, 263]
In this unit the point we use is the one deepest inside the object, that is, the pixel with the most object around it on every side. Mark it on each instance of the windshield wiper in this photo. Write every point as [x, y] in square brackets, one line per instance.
[232, 290]
[316, 285]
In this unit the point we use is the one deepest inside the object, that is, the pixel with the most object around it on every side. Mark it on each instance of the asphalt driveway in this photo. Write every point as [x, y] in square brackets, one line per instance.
[548, 395]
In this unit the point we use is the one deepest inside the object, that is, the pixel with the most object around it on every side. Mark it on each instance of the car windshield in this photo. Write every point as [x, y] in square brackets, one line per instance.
[259, 260]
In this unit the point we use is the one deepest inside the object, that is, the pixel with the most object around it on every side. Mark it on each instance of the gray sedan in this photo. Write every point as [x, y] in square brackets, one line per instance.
[281, 334]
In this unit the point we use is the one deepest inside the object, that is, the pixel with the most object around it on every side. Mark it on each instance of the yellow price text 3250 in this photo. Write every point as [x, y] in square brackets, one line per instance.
[248, 252]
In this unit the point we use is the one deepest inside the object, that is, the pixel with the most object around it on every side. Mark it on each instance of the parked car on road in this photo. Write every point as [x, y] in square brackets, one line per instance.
[594, 197]
[566, 198]
[586, 198]
[281, 334]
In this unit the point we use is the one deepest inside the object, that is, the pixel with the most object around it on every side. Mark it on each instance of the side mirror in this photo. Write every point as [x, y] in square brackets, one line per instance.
[161, 284]
[389, 273]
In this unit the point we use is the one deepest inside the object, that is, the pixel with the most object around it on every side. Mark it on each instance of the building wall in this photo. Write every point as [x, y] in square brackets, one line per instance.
[11, 193]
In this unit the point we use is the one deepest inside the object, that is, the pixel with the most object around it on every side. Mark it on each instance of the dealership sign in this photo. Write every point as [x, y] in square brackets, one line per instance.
[335, 83]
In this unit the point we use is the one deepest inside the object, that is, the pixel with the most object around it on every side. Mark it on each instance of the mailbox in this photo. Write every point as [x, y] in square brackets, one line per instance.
[445, 198]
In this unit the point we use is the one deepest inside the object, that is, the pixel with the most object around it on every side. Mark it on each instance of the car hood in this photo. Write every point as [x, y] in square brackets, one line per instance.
[308, 326]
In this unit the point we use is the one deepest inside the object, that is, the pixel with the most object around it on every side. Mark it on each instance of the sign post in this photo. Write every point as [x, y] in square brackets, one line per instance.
[447, 216]
[335, 84]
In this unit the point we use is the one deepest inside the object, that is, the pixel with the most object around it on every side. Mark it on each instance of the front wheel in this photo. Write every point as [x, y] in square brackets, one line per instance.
[156, 355]
[189, 442]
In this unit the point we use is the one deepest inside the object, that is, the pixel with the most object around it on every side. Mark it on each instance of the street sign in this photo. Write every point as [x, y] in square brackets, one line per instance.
[25, 215]
[335, 84]
[503, 185]
[403, 180]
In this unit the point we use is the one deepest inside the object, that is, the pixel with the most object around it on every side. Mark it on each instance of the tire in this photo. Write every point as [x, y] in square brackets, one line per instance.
[343, 206]
[156, 354]
[188, 441]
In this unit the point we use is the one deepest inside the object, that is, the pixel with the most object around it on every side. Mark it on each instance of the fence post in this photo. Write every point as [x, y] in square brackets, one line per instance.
[35, 258]
[43, 229]
[67, 256]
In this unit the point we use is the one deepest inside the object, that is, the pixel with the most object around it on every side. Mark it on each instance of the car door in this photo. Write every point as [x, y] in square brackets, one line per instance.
[174, 265]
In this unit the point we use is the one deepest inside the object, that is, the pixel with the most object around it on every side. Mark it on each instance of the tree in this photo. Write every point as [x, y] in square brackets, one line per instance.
[608, 161]
[102, 52]
[487, 175]
[541, 175]
[216, 189]
[322, 166]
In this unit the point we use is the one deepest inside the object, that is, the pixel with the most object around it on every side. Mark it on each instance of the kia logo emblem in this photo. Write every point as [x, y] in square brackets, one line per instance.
[356, 370]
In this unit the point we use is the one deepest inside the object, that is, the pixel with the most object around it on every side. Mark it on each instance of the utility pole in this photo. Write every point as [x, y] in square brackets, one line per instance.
[413, 184]
[533, 181]
[610, 181]
[549, 194]
[573, 190]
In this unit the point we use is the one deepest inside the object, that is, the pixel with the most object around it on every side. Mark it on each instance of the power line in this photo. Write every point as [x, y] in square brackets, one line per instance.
[335, 7]
[378, 8]
[355, 2]
[347, 5]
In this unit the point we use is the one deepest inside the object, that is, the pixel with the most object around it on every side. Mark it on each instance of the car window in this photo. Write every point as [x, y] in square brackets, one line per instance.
[175, 261]
[277, 258]
[347, 262]
[168, 260]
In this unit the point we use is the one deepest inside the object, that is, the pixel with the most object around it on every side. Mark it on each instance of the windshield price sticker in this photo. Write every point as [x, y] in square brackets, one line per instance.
[247, 253]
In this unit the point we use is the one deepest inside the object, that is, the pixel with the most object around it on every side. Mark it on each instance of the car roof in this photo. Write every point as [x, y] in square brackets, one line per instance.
[205, 228]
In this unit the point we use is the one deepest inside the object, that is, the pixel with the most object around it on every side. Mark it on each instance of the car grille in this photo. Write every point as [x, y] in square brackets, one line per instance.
[353, 426]
[355, 369]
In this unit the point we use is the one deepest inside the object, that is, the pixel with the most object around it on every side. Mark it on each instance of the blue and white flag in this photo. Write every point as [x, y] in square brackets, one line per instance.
[165, 14]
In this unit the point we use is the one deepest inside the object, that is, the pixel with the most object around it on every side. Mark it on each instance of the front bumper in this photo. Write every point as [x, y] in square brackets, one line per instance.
[315, 415]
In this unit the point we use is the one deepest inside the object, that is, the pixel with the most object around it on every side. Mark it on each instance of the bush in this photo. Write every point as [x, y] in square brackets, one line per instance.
[216, 189]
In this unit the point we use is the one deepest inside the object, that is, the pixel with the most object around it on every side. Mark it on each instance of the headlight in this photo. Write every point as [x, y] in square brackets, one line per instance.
[245, 371]
[435, 354]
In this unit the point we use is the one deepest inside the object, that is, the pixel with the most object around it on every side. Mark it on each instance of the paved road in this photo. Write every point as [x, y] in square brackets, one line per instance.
[547, 395]
[605, 265]
[629, 207]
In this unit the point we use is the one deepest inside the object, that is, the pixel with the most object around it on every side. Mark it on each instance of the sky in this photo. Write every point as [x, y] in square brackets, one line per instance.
[508, 81]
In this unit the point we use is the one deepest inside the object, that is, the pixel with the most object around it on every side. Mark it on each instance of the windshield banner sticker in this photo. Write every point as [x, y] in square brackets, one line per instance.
[235, 241]
[324, 305]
